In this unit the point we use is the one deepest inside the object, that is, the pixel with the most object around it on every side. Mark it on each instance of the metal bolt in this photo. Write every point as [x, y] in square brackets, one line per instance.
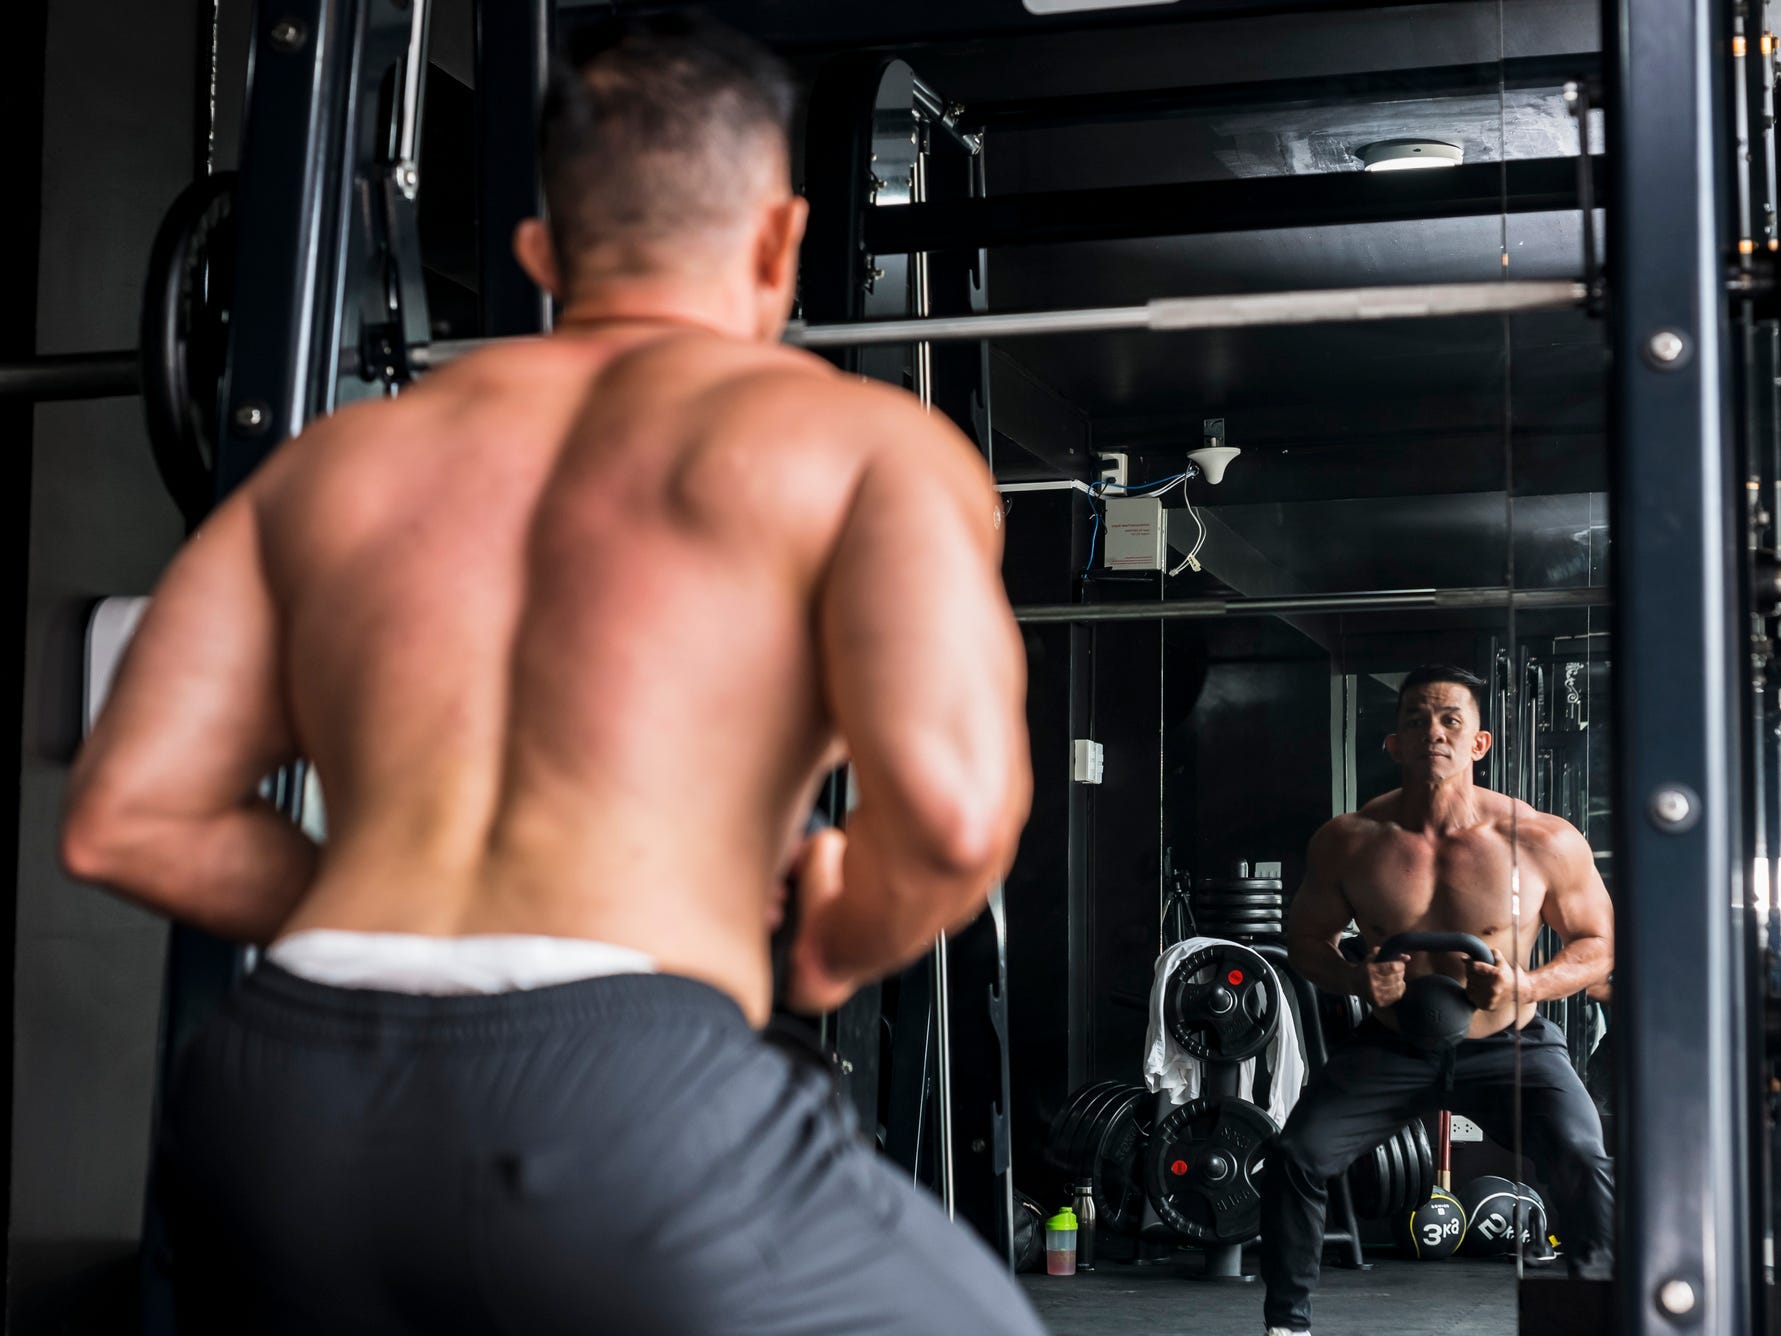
[289, 34]
[251, 416]
[1673, 808]
[978, 1145]
[1666, 347]
[1676, 1298]
[408, 179]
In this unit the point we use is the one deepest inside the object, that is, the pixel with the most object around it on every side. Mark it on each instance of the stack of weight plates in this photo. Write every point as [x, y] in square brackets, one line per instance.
[1243, 909]
[1100, 1137]
[1396, 1176]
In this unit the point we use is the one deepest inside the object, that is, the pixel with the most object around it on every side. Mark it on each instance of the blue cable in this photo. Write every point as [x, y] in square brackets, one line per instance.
[1094, 534]
[1143, 486]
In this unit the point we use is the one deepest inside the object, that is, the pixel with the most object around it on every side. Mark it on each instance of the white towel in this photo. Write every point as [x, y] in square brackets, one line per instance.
[1166, 1067]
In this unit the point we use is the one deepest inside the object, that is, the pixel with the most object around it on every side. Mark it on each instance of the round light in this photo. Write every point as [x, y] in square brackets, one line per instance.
[1400, 155]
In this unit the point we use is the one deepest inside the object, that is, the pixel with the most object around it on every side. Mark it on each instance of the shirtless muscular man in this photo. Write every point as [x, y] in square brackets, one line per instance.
[1441, 854]
[571, 630]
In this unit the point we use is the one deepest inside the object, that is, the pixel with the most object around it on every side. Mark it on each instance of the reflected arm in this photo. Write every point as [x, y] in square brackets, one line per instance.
[1578, 909]
[1317, 917]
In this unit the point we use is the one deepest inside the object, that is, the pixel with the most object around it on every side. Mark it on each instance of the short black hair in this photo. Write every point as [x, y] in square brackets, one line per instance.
[1444, 672]
[653, 127]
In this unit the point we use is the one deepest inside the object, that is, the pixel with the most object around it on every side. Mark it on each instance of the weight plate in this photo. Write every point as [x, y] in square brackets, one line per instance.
[1203, 1169]
[1425, 1164]
[1210, 902]
[1119, 1165]
[1086, 1108]
[1220, 1003]
[1089, 1129]
[1241, 884]
[184, 337]
[1397, 1176]
[1365, 1179]
[1221, 914]
[1063, 1126]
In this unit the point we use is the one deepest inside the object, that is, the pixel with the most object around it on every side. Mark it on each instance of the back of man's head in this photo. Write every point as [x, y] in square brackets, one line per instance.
[1431, 673]
[658, 135]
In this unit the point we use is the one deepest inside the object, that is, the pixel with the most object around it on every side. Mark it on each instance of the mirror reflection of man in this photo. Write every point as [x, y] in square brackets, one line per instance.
[1441, 854]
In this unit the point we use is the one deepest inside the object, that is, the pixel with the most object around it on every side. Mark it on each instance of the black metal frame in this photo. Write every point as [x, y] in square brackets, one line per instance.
[1680, 696]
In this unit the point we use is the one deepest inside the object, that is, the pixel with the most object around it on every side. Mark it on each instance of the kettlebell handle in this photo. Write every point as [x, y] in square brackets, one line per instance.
[1407, 943]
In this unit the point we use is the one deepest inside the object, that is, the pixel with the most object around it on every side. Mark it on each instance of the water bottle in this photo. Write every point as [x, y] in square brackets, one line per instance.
[1084, 1207]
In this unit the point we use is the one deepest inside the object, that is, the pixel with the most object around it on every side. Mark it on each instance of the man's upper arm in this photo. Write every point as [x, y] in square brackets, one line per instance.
[1320, 910]
[197, 715]
[924, 668]
[1576, 902]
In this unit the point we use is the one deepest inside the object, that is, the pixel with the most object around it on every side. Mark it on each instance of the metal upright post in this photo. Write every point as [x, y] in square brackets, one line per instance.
[1680, 707]
[291, 213]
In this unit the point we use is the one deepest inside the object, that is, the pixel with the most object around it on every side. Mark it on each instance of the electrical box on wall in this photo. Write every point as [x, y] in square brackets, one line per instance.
[1137, 534]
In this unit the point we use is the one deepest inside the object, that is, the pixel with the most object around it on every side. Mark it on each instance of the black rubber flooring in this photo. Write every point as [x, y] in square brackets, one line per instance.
[1457, 1297]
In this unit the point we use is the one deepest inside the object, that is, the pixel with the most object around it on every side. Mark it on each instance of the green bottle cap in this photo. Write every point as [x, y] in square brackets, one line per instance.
[1064, 1219]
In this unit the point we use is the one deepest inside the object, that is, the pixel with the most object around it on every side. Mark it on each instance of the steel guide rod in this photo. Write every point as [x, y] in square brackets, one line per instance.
[100, 375]
[1372, 600]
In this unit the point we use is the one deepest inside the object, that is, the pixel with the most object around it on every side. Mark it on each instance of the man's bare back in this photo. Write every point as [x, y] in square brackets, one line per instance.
[1444, 855]
[561, 631]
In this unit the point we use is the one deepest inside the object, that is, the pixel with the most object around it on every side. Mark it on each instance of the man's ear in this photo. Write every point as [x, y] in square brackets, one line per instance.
[1391, 748]
[780, 234]
[537, 256]
[1481, 743]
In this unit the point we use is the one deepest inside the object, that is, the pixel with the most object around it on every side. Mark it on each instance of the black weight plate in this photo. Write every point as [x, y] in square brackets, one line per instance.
[1219, 1144]
[1092, 1102]
[1424, 1186]
[1119, 1166]
[1391, 1197]
[1367, 1181]
[1210, 903]
[1241, 884]
[1237, 974]
[1064, 1123]
[1089, 1129]
[1223, 915]
[1063, 1126]
[184, 336]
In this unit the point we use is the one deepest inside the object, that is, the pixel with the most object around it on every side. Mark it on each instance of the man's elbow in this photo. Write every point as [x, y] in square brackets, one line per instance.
[95, 837]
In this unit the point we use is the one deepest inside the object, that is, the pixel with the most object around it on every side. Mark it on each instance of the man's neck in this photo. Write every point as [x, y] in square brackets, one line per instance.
[645, 303]
[1440, 807]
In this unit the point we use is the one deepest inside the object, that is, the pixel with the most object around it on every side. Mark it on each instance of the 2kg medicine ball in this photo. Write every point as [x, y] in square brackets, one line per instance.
[1498, 1213]
[1433, 1230]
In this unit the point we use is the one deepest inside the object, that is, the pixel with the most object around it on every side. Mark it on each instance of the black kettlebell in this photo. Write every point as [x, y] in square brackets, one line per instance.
[1435, 1012]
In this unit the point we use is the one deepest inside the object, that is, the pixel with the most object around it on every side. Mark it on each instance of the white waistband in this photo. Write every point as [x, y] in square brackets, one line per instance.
[405, 962]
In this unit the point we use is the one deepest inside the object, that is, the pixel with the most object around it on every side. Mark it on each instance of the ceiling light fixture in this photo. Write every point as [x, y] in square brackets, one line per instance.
[1400, 155]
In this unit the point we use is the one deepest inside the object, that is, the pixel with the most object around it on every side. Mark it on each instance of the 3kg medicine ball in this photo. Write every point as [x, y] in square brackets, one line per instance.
[1498, 1213]
[1433, 1230]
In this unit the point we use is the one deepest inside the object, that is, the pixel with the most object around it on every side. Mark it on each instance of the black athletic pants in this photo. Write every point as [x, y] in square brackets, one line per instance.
[1378, 1081]
[621, 1154]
